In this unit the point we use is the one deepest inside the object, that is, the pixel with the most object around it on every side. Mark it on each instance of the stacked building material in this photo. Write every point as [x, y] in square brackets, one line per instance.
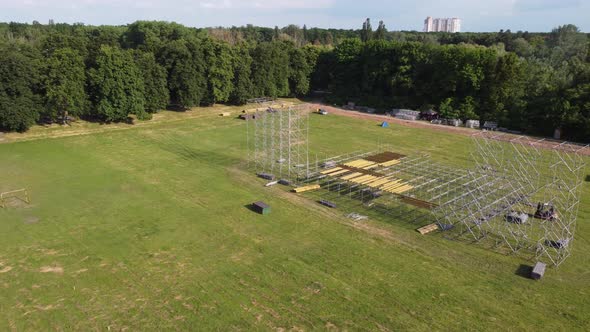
[474, 124]
[356, 217]
[454, 122]
[285, 182]
[266, 176]
[427, 229]
[490, 125]
[538, 271]
[406, 114]
[261, 207]
[327, 203]
[306, 188]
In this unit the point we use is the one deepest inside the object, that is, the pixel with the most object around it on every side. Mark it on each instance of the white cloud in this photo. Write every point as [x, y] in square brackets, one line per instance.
[34, 4]
[225, 4]
[266, 4]
[172, 4]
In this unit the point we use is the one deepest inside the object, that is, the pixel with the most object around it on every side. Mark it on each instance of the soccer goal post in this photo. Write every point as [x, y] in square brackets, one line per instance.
[21, 194]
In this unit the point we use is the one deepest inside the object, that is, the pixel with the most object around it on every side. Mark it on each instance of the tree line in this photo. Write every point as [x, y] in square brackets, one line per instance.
[535, 88]
[533, 82]
[48, 73]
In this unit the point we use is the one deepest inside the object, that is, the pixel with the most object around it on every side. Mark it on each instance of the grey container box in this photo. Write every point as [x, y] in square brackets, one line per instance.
[538, 271]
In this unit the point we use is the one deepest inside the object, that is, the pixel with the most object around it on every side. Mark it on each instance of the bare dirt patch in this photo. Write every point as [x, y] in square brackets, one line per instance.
[45, 307]
[49, 252]
[52, 269]
[31, 220]
[6, 269]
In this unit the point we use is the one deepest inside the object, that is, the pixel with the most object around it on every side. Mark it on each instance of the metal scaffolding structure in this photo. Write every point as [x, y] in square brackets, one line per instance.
[522, 194]
[426, 181]
[279, 141]
[529, 193]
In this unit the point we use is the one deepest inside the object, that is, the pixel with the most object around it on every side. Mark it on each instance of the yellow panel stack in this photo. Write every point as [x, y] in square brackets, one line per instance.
[401, 189]
[427, 229]
[361, 163]
[306, 188]
[360, 179]
[378, 182]
[370, 178]
[339, 172]
[392, 184]
[350, 176]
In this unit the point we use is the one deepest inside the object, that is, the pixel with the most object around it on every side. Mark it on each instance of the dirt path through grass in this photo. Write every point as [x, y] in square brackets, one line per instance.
[546, 143]
[86, 128]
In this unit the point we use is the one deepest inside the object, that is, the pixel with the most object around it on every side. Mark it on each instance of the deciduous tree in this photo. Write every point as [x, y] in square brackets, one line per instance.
[116, 85]
[64, 81]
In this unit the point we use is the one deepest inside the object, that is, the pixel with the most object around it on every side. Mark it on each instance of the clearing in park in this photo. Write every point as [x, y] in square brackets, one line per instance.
[151, 227]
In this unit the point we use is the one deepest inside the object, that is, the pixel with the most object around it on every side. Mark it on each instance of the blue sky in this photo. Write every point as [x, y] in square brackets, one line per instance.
[477, 15]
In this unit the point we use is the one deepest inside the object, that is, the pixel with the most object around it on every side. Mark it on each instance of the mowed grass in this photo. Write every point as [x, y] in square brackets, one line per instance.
[147, 229]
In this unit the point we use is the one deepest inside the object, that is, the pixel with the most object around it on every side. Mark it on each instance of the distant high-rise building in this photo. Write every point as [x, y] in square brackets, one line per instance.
[442, 24]
[428, 24]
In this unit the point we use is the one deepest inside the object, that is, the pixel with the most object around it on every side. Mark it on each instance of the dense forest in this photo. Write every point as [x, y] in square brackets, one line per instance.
[532, 82]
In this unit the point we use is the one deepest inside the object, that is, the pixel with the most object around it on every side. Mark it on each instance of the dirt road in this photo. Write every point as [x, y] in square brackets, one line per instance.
[544, 143]
[381, 117]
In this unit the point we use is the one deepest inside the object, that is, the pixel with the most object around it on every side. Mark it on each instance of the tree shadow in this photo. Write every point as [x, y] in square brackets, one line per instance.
[588, 178]
[96, 119]
[176, 108]
[524, 271]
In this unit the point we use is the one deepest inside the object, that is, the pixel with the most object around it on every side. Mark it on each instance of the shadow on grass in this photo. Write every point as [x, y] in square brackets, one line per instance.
[588, 178]
[176, 108]
[524, 271]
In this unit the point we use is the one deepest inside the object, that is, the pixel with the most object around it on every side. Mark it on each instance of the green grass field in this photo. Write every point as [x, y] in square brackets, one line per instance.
[147, 228]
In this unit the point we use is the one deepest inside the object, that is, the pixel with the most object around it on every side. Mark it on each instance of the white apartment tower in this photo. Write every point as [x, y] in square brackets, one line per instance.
[442, 24]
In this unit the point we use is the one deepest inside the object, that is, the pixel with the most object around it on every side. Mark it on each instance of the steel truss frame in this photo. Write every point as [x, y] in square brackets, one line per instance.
[515, 174]
[510, 174]
[280, 144]
[428, 178]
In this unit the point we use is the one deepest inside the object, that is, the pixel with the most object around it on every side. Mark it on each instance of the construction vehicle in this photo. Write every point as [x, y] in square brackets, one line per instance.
[545, 211]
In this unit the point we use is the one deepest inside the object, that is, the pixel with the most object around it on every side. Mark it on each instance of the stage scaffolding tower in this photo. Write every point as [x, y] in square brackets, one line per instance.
[280, 142]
